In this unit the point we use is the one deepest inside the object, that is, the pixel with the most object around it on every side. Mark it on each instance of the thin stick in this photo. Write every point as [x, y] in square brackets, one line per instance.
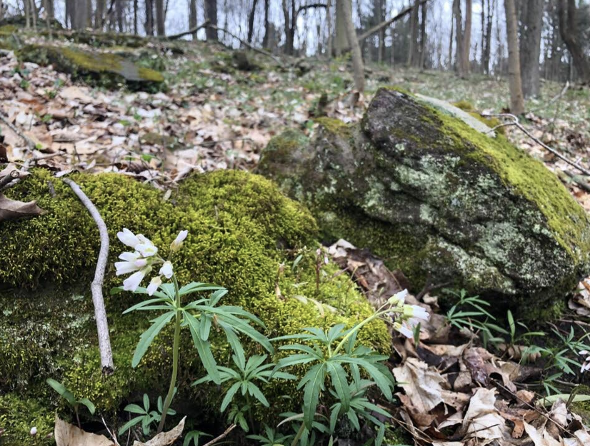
[186, 33]
[104, 343]
[246, 44]
[8, 178]
[541, 143]
[30, 143]
[222, 436]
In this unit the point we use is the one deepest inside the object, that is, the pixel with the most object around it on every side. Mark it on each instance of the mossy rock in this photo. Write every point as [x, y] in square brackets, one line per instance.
[439, 200]
[241, 228]
[97, 68]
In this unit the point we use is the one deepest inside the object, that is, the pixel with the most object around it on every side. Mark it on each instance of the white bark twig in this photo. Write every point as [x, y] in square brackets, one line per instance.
[104, 342]
[517, 124]
[221, 437]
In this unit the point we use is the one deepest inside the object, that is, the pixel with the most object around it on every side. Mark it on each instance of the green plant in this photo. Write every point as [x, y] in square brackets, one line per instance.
[199, 315]
[272, 438]
[194, 436]
[74, 402]
[146, 416]
[243, 379]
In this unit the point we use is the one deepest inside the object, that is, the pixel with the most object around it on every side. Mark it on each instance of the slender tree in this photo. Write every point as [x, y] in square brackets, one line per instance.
[567, 27]
[516, 96]
[465, 58]
[487, 46]
[413, 52]
[192, 17]
[357, 59]
[211, 15]
[422, 35]
[160, 18]
[459, 40]
[341, 40]
[149, 17]
[530, 46]
[266, 24]
[251, 21]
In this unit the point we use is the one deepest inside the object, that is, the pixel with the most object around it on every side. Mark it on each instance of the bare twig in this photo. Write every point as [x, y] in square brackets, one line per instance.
[515, 123]
[113, 436]
[246, 44]
[8, 178]
[186, 33]
[104, 343]
[30, 143]
[222, 436]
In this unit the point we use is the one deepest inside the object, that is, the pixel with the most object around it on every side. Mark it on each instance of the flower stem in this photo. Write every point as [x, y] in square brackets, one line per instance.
[175, 354]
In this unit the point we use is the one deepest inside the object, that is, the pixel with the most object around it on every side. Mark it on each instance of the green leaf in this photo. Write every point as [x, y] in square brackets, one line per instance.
[311, 394]
[130, 424]
[88, 404]
[134, 408]
[146, 402]
[194, 287]
[203, 348]
[205, 327]
[334, 416]
[380, 379]
[61, 389]
[149, 335]
[511, 323]
[338, 375]
[254, 390]
[229, 396]
[233, 340]
[380, 435]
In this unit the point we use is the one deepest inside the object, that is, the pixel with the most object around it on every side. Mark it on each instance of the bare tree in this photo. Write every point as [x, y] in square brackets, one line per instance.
[459, 41]
[530, 46]
[211, 15]
[160, 18]
[357, 59]
[251, 21]
[467, 38]
[422, 35]
[413, 51]
[149, 17]
[266, 24]
[516, 96]
[192, 17]
[567, 28]
[341, 40]
[487, 46]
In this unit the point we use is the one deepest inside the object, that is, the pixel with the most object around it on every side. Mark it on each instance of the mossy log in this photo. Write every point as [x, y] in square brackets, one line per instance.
[97, 68]
[439, 200]
[241, 228]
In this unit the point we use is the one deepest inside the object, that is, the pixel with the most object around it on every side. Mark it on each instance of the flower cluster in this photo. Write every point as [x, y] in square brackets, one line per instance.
[143, 259]
[586, 364]
[406, 317]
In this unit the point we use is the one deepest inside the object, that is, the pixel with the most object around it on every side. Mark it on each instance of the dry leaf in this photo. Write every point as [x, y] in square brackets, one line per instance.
[164, 438]
[482, 419]
[13, 209]
[541, 438]
[421, 383]
[67, 434]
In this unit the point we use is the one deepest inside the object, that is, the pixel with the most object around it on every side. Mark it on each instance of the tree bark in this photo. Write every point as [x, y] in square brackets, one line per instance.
[459, 53]
[567, 28]
[329, 26]
[413, 56]
[422, 36]
[467, 37]
[266, 24]
[516, 96]
[357, 59]
[135, 8]
[79, 15]
[211, 15]
[160, 18]
[119, 13]
[530, 47]
[341, 41]
[487, 48]
[251, 21]
[192, 17]
[149, 17]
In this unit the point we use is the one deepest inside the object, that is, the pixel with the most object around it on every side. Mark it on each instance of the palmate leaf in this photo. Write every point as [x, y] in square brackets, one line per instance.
[233, 340]
[380, 379]
[203, 348]
[148, 336]
[340, 383]
[314, 384]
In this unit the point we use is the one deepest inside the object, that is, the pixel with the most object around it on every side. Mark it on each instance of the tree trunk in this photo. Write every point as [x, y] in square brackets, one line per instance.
[160, 18]
[251, 21]
[329, 26]
[135, 8]
[192, 17]
[530, 47]
[149, 17]
[119, 13]
[487, 48]
[567, 29]
[459, 52]
[341, 40]
[422, 36]
[516, 97]
[381, 15]
[79, 14]
[99, 14]
[467, 37]
[266, 24]
[357, 59]
[451, 45]
[211, 15]
[413, 57]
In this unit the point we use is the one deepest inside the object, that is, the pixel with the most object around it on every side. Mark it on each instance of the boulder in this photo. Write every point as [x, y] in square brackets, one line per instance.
[241, 229]
[98, 68]
[440, 201]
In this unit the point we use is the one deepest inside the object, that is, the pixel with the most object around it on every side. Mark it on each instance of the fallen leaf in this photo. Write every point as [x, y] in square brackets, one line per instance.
[164, 438]
[482, 419]
[13, 209]
[541, 438]
[67, 434]
[421, 383]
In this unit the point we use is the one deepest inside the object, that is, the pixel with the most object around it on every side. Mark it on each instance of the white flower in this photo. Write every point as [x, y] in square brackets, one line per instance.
[132, 282]
[128, 238]
[403, 330]
[415, 311]
[166, 269]
[398, 298]
[147, 248]
[177, 243]
[130, 265]
[154, 284]
[33, 430]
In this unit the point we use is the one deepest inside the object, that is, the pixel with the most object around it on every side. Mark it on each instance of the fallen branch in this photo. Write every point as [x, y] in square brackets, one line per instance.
[8, 178]
[186, 33]
[246, 44]
[517, 124]
[222, 436]
[30, 143]
[104, 343]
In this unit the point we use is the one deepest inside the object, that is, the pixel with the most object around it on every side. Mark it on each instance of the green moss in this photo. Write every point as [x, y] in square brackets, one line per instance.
[18, 414]
[8, 30]
[335, 126]
[490, 122]
[240, 230]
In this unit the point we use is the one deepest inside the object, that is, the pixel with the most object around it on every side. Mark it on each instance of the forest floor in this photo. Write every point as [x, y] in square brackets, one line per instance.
[213, 116]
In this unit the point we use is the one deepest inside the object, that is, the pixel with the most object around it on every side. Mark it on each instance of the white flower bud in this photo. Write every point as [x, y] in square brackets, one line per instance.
[177, 243]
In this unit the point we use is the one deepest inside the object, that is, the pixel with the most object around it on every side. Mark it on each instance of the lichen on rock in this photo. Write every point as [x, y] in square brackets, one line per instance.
[241, 228]
[439, 200]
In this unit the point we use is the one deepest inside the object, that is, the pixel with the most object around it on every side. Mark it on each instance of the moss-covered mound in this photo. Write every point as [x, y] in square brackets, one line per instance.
[97, 68]
[436, 198]
[240, 230]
